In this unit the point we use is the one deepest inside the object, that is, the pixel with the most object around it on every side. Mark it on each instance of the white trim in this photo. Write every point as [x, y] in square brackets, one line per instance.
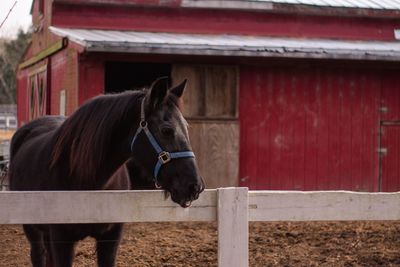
[227, 4]
[269, 4]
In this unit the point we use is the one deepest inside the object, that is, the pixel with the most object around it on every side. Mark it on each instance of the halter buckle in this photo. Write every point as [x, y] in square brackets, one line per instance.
[164, 157]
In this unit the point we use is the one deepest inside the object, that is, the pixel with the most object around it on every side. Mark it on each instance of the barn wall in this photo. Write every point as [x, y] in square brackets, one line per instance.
[390, 131]
[309, 128]
[42, 38]
[64, 69]
[22, 97]
[391, 95]
[91, 78]
[222, 22]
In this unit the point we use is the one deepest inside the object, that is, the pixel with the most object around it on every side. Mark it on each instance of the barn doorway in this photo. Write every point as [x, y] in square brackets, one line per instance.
[122, 76]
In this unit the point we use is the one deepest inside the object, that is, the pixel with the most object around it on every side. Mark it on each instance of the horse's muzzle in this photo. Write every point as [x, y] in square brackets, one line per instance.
[190, 193]
[194, 193]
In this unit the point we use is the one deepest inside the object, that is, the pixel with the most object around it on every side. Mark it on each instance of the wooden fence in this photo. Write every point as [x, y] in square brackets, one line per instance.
[233, 208]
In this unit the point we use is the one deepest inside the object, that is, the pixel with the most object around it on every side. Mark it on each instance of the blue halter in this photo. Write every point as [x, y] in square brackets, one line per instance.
[163, 156]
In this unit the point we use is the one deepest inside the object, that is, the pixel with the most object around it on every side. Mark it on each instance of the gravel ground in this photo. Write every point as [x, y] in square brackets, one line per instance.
[271, 244]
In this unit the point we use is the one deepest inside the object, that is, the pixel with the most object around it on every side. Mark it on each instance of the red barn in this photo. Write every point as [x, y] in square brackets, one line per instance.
[302, 95]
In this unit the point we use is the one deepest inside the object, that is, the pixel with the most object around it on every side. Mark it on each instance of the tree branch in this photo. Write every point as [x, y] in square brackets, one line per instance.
[8, 13]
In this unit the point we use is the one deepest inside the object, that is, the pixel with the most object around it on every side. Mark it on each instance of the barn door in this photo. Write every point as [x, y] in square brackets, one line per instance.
[390, 157]
[209, 105]
[38, 98]
[390, 132]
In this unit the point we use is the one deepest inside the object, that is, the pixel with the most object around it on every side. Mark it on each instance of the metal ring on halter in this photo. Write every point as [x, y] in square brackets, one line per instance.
[143, 124]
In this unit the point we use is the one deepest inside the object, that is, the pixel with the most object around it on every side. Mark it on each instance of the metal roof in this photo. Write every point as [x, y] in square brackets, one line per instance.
[228, 45]
[373, 4]
[263, 4]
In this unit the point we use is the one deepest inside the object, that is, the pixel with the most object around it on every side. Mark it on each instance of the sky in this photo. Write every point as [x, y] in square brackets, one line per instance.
[19, 17]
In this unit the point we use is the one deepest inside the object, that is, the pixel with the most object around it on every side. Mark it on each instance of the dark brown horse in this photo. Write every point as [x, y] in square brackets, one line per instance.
[94, 149]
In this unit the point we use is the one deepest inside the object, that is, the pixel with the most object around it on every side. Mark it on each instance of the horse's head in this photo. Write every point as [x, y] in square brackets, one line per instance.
[161, 144]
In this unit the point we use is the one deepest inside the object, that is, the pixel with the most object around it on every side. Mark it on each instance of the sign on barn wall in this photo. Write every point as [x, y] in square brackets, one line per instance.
[210, 106]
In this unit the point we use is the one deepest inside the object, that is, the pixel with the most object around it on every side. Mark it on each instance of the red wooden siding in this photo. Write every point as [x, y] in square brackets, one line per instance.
[390, 161]
[309, 129]
[391, 95]
[222, 22]
[390, 129]
[22, 97]
[91, 79]
[64, 69]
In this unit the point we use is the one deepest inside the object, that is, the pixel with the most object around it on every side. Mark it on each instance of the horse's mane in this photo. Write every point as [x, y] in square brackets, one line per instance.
[84, 139]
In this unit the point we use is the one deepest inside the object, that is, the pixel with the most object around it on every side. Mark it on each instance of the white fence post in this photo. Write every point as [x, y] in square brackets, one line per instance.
[233, 227]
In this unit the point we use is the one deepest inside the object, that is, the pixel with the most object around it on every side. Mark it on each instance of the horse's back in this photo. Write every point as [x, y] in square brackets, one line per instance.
[32, 129]
[29, 150]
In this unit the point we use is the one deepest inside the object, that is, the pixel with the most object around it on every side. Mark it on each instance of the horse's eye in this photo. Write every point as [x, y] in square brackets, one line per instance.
[167, 131]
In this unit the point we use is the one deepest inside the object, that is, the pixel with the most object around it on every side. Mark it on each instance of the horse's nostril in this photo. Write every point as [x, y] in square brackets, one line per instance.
[193, 187]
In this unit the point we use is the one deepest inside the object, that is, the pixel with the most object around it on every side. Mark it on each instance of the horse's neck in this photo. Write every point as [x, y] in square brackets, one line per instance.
[139, 178]
[114, 172]
[119, 180]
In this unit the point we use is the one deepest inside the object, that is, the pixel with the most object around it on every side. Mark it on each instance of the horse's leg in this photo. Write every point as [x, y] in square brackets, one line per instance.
[107, 246]
[62, 247]
[49, 258]
[38, 251]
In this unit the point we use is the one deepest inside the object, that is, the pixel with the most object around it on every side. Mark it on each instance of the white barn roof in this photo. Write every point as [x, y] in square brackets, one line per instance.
[264, 4]
[228, 45]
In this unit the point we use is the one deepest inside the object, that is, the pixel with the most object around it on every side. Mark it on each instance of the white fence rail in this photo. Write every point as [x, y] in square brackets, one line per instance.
[233, 208]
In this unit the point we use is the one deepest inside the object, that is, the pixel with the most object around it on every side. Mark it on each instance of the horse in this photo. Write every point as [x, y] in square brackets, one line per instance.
[141, 133]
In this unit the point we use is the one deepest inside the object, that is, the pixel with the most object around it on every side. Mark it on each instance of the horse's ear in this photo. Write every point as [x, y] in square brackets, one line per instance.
[178, 90]
[158, 91]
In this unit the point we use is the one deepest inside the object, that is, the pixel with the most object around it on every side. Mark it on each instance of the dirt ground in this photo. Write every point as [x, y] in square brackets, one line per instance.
[271, 244]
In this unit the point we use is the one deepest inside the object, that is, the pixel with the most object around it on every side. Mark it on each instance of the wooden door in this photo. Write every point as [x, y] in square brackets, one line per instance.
[38, 96]
[390, 157]
[210, 106]
[390, 132]
[305, 128]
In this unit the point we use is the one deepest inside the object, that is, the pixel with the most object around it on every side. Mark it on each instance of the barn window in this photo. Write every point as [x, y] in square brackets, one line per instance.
[212, 91]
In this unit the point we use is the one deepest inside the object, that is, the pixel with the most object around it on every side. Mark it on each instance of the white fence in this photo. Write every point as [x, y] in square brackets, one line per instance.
[233, 208]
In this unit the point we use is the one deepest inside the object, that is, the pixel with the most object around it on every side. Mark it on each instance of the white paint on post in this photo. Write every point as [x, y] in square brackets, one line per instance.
[323, 206]
[233, 227]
